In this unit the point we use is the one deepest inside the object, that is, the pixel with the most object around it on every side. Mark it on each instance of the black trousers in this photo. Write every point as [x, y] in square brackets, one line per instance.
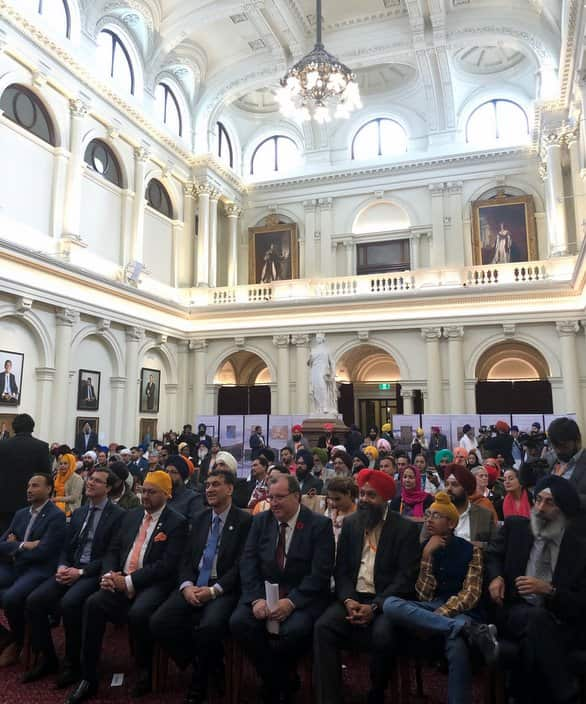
[332, 633]
[542, 676]
[116, 607]
[191, 634]
[273, 656]
[66, 600]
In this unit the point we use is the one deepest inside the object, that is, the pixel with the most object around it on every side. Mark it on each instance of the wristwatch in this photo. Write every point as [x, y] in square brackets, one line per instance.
[213, 593]
[374, 607]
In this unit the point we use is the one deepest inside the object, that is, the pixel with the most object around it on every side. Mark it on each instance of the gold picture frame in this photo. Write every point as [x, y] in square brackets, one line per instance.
[503, 230]
[273, 253]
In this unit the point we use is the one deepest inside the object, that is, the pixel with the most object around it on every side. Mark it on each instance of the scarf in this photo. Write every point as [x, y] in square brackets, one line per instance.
[414, 497]
[61, 479]
[514, 508]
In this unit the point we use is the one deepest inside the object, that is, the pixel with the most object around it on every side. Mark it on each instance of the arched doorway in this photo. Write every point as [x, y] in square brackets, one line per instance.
[369, 393]
[513, 377]
[243, 380]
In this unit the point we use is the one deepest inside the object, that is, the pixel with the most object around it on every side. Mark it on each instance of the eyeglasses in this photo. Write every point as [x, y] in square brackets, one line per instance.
[435, 516]
[276, 498]
[95, 480]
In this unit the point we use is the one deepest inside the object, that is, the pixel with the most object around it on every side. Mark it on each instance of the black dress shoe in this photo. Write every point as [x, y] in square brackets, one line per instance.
[68, 677]
[44, 667]
[143, 685]
[483, 637]
[85, 690]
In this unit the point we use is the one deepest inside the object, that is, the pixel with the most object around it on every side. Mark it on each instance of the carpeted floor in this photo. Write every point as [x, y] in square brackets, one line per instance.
[116, 659]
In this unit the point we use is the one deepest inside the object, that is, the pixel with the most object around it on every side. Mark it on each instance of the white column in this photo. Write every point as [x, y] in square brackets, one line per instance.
[186, 267]
[182, 379]
[134, 337]
[199, 375]
[60, 166]
[176, 262]
[172, 407]
[349, 249]
[301, 343]
[554, 191]
[407, 396]
[65, 318]
[45, 378]
[203, 234]
[567, 330]
[141, 156]
[311, 265]
[577, 185]
[455, 247]
[78, 109]
[233, 212]
[438, 244]
[432, 337]
[456, 373]
[281, 342]
[415, 251]
[326, 230]
[117, 389]
[214, 196]
[126, 214]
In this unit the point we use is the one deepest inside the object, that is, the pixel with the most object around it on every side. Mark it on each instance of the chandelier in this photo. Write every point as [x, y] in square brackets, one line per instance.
[318, 85]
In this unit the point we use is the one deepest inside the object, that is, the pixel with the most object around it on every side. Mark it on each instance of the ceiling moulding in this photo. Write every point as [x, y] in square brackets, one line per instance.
[388, 169]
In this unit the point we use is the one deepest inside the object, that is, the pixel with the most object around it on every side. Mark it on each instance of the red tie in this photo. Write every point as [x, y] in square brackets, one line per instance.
[280, 552]
[138, 543]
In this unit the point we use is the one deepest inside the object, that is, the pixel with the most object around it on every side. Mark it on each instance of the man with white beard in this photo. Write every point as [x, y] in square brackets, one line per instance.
[536, 570]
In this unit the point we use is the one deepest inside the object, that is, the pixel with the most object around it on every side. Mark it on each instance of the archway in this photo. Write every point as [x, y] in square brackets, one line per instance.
[513, 377]
[369, 393]
[243, 379]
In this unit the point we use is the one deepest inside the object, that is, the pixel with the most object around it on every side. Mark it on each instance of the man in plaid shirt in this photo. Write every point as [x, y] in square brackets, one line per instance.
[448, 588]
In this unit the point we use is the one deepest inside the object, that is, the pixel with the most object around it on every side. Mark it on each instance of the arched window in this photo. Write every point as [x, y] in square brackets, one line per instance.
[379, 137]
[225, 146]
[100, 158]
[56, 14]
[274, 154]
[114, 60]
[158, 198]
[497, 121]
[22, 106]
[168, 108]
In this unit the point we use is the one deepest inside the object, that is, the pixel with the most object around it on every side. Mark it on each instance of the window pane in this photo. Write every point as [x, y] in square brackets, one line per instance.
[122, 71]
[224, 146]
[366, 141]
[512, 122]
[288, 155]
[22, 106]
[482, 125]
[498, 120]
[100, 158]
[55, 15]
[160, 94]
[173, 120]
[104, 54]
[263, 162]
[393, 138]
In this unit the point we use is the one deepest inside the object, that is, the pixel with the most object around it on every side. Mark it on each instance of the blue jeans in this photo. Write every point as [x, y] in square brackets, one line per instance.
[420, 614]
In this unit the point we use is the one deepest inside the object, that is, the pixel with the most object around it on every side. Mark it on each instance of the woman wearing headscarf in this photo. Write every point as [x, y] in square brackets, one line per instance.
[460, 455]
[473, 461]
[412, 500]
[68, 485]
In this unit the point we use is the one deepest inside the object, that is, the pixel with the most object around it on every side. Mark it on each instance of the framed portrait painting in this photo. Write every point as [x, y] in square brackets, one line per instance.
[88, 390]
[150, 387]
[11, 366]
[147, 430]
[86, 433]
[503, 230]
[273, 253]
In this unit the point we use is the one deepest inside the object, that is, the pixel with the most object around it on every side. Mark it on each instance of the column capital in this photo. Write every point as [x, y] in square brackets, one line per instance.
[326, 203]
[309, 205]
[45, 373]
[239, 341]
[348, 242]
[436, 189]
[233, 210]
[431, 334]
[189, 189]
[23, 305]
[135, 334]
[567, 328]
[118, 382]
[454, 187]
[215, 194]
[509, 330]
[281, 340]
[66, 317]
[204, 189]
[103, 326]
[454, 332]
[300, 340]
[142, 153]
[78, 108]
[198, 345]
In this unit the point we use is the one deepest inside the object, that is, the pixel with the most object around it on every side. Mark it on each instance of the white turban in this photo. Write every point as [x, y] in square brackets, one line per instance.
[91, 454]
[228, 459]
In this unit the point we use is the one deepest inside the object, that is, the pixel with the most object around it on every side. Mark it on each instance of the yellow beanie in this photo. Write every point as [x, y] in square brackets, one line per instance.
[386, 428]
[443, 504]
[371, 451]
[161, 480]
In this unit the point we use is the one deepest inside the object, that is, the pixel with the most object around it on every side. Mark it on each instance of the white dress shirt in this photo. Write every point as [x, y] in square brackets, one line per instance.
[462, 530]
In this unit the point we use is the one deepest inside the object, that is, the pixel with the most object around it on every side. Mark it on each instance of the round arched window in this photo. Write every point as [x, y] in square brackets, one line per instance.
[22, 106]
[379, 137]
[101, 159]
[497, 121]
[158, 198]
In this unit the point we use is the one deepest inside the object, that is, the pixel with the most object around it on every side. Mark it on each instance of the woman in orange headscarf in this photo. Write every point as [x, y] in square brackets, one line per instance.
[68, 485]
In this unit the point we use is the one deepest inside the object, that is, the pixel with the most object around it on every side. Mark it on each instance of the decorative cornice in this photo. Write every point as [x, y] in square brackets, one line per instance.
[431, 334]
[134, 334]
[23, 306]
[300, 340]
[78, 108]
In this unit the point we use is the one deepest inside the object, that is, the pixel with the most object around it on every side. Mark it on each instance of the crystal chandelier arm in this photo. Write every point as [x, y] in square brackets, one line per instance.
[318, 41]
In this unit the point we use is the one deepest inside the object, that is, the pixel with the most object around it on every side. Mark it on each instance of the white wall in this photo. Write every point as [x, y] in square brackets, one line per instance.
[158, 245]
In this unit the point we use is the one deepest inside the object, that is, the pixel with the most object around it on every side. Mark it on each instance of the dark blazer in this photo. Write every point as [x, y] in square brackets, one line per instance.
[20, 457]
[49, 528]
[437, 442]
[230, 549]
[312, 482]
[507, 557]
[11, 383]
[482, 526]
[162, 556]
[242, 492]
[186, 502]
[310, 560]
[92, 442]
[107, 527]
[257, 444]
[396, 564]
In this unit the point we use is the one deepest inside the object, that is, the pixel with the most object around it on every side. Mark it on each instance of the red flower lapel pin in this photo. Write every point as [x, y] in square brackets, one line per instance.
[160, 537]
[299, 525]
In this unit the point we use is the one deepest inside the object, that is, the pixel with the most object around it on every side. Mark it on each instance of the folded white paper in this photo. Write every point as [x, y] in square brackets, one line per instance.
[272, 597]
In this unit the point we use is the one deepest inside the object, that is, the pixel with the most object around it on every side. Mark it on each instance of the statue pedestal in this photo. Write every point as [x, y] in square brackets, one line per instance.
[313, 429]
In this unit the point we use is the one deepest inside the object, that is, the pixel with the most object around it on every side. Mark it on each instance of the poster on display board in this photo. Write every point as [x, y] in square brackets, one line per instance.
[404, 428]
[457, 422]
[443, 421]
[524, 421]
[279, 431]
[211, 424]
[250, 424]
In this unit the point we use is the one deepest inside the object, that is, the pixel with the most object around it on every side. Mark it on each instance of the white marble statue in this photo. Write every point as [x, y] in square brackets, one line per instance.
[324, 393]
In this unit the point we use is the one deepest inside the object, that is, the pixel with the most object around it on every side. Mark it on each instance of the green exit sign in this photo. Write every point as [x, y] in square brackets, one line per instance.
[384, 387]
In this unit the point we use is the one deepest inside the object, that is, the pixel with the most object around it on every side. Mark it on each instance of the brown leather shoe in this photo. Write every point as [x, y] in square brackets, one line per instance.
[10, 655]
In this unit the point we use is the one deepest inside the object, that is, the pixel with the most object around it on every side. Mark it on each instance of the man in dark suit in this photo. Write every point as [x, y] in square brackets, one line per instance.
[292, 548]
[88, 535]
[20, 457]
[193, 621]
[437, 440]
[476, 523]
[138, 572]
[29, 550]
[87, 439]
[308, 483]
[87, 395]
[190, 438]
[8, 385]
[183, 500]
[378, 557]
[536, 570]
[256, 442]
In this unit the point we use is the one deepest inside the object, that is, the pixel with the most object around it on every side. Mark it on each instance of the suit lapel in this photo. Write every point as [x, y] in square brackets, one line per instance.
[228, 533]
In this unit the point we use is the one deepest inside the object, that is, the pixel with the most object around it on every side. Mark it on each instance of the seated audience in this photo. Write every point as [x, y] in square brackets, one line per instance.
[292, 547]
[88, 535]
[68, 489]
[258, 484]
[460, 456]
[476, 523]
[320, 460]
[138, 572]
[287, 460]
[342, 493]
[496, 488]
[412, 501]
[377, 557]
[448, 590]
[191, 624]
[308, 484]
[359, 461]
[472, 461]
[29, 551]
[342, 463]
[120, 494]
[517, 501]
[183, 499]
[387, 465]
[264, 504]
[536, 570]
